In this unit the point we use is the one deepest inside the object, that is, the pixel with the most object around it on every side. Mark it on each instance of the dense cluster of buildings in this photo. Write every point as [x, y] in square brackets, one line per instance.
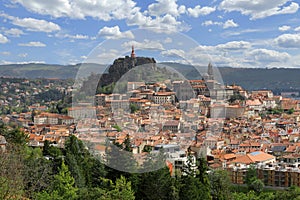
[231, 127]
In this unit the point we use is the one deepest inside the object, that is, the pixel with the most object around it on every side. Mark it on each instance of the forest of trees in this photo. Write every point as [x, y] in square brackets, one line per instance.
[71, 173]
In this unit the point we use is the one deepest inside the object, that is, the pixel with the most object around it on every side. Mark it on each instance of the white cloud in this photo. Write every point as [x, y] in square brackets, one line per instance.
[23, 55]
[260, 8]
[5, 53]
[32, 44]
[295, 61]
[238, 54]
[14, 32]
[146, 44]
[114, 33]
[4, 62]
[99, 9]
[77, 36]
[173, 53]
[227, 24]
[104, 56]
[297, 28]
[36, 25]
[166, 23]
[3, 39]
[234, 46]
[163, 7]
[204, 48]
[288, 40]
[168, 40]
[230, 24]
[200, 11]
[284, 28]
[32, 24]
[241, 32]
[162, 15]
[210, 23]
[266, 55]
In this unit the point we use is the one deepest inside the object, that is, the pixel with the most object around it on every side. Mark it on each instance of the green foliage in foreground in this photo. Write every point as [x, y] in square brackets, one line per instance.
[73, 173]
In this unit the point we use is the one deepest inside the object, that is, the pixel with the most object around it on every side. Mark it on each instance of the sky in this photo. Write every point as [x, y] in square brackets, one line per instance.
[235, 33]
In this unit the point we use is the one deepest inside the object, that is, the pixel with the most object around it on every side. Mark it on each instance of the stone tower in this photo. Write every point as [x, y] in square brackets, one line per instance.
[133, 58]
[210, 72]
[132, 52]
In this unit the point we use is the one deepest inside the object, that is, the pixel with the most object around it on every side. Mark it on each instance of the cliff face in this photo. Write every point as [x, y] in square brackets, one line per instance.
[121, 66]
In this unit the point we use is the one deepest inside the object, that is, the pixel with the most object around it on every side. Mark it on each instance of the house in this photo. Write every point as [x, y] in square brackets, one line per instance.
[254, 157]
[164, 97]
[226, 111]
[82, 112]
[214, 142]
[287, 104]
[269, 103]
[254, 104]
[183, 90]
[52, 118]
[172, 125]
[262, 93]
[278, 149]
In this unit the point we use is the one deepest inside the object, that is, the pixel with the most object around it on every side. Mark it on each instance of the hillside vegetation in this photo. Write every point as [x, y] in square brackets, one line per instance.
[276, 79]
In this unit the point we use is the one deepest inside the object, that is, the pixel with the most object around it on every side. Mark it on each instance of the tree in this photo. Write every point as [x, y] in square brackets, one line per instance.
[15, 136]
[133, 108]
[76, 156]
[157, 185]
[44, 195]
[248, 196]
[97, 171]
[194, 182]
[147, 149]
[156, 178]
[37, 172]
[62, 186]
[92, 193]
[250, 174]
[267, 196]
[256, 185]
[119, 129]
[252, 181]
[191, 188]
[54, 154]
[203, 177]
[292, 193]
[236, 97]
[220, 184]
[127, 144]
[290, 111]
[11, 173]
[119, 162]
[75, 167]
[122, 190]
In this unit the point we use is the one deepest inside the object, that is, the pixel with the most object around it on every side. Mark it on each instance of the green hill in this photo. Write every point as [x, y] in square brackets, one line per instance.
[250, 78]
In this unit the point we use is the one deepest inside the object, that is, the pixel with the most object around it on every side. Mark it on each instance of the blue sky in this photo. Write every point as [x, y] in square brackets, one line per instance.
[236, 33]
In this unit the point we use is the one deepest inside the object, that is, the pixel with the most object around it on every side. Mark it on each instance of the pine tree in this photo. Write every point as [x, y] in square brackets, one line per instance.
[64, 183]
[122, 190]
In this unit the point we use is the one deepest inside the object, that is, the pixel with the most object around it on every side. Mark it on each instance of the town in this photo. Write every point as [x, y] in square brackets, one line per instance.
[231, 128]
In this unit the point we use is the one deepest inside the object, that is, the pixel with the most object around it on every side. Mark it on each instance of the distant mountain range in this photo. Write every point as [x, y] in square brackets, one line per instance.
[250, 78]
